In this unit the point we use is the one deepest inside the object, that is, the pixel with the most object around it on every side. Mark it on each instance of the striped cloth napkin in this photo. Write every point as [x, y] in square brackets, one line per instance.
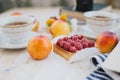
[100, 73]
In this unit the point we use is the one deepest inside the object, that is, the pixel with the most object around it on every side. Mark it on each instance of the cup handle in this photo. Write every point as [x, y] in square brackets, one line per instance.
[35, 21]
[34, 18]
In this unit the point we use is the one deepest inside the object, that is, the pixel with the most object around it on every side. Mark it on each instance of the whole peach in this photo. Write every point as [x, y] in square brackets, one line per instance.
[59, 27]
[39, 47]
[106, 41]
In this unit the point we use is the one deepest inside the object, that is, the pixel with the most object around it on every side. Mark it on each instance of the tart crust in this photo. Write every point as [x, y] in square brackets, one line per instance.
[62, 52]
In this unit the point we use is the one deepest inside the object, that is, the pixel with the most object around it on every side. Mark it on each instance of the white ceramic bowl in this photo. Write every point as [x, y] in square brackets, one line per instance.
[19, 33]
[100, 21]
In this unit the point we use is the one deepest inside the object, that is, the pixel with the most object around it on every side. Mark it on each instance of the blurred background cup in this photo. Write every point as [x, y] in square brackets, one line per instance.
[16, 29]
[99, 21]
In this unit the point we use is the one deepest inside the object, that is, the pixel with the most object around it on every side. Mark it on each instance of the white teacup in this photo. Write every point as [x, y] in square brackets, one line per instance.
[100, 21]
[16, 29]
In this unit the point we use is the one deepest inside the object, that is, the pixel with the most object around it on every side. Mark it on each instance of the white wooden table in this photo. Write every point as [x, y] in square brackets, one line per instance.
[18, 65]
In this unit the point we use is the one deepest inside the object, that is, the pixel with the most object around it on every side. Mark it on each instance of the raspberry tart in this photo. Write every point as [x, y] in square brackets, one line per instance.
[68, 46]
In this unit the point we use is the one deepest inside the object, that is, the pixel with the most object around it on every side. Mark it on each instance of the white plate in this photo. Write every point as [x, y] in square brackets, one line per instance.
[6, 45]
[84, 54]
[87, 32]
[113, 60]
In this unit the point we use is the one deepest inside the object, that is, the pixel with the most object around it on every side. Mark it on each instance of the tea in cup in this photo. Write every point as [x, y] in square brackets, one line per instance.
[16, 29]
[99, 21]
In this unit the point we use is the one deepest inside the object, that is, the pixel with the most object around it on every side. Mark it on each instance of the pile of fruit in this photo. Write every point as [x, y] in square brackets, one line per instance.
[59, 26]
[51, 20]
[74, 43]
[39, 47]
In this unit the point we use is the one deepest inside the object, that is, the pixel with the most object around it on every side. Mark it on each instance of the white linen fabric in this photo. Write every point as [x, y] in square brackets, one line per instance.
[101, 73]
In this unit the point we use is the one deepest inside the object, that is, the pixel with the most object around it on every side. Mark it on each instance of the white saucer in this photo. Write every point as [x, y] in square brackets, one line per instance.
[87, 32]
[7, 45]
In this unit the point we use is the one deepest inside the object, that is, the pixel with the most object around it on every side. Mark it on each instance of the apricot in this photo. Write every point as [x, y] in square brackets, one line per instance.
[50, 21]
[106, 41]
[39, 47]
[60, 27]
[63, 16]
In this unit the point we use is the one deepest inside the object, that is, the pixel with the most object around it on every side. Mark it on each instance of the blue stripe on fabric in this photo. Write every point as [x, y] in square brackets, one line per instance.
[100, 69]
[99, 73]
[101, 58]
[105, 55]
[103, 74]
[88, 78]
[97, 77]
[94, 61]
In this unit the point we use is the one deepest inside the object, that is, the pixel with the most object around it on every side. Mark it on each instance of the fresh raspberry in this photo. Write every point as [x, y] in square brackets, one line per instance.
[62, 44]
[91, 43]
[59, 41]
[72, 43]
[78, 46]
[85, 40]
[80, 37]
[72, 49]
[67, 45]
[85, 44]
[65, 38]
